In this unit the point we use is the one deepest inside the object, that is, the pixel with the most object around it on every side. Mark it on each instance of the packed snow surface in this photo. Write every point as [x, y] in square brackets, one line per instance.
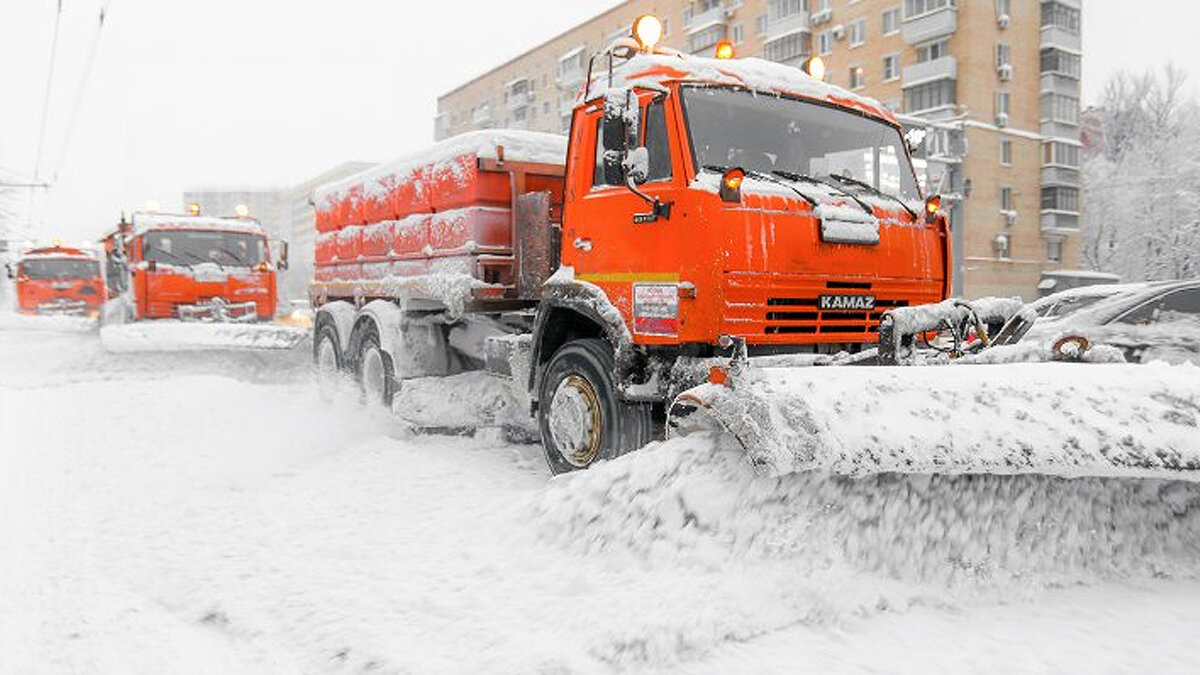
[201, 513]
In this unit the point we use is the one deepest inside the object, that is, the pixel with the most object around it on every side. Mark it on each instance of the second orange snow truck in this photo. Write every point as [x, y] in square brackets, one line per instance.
[699, 209]
[192, 282]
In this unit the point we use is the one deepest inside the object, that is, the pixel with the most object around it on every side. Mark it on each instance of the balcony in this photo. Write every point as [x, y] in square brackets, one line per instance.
[482, 118]
[1056, 129]
[944, 68]
[796, 22]
[928, 26]
[1053, 83]
[705, 19]
[1059, 222]
[518, 100]
[1060, 175]
[1053, 36]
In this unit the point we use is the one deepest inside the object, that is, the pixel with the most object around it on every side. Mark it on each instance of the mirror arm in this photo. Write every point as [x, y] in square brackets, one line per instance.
[658, 209]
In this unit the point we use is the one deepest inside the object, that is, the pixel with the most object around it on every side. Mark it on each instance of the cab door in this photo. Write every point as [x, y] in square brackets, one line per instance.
[607, 240]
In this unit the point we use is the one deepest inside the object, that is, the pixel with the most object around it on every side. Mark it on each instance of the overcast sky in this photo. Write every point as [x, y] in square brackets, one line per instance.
[266, 93]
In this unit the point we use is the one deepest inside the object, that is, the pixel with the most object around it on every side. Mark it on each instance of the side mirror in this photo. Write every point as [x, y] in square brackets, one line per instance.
[283, 256]
[618, 127]
[10, 271]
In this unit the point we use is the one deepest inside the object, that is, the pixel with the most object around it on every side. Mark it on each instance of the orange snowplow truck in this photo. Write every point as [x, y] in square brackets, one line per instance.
[191, 267]
[696, 203]
[58, 280]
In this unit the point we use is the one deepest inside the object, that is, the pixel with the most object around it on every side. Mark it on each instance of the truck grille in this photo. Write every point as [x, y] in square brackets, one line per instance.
[785, 308]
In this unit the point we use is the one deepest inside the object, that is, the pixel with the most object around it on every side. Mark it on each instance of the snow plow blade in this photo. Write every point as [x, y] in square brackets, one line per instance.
[186, 336]
[1063, 419]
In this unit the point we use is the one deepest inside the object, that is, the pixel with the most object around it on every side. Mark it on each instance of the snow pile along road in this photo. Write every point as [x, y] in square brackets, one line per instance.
[686, 499]
[172, 336]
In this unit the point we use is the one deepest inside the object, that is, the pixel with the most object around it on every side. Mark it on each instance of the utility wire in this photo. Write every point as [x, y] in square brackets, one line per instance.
[79, 95]
[37, 163]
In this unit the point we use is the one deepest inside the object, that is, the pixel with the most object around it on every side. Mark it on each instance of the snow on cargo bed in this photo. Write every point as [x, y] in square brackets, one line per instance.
[522, 146]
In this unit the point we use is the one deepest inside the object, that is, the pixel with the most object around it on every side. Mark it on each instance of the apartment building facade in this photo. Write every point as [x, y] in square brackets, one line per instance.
[995, 83]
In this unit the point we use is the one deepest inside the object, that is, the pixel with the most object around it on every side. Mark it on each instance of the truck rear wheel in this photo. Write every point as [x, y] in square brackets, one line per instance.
[327, 357]
[581, 418]
[376, 375]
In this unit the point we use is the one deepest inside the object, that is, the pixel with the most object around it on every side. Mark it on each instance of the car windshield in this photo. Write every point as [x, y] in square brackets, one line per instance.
[192, 247]
[61, 268]
[1068, 305]
[766, 133]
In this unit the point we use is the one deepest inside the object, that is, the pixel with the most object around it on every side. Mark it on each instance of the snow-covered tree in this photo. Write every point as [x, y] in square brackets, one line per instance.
[1141, 174]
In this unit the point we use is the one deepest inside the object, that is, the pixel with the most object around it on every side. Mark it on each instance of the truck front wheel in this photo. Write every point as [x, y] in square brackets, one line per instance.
[581, 418]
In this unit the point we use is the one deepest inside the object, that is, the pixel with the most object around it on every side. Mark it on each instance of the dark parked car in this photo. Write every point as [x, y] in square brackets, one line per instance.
[1148, 321]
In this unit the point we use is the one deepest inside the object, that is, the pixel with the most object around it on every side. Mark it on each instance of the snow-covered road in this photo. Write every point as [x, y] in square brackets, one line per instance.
[185, 513]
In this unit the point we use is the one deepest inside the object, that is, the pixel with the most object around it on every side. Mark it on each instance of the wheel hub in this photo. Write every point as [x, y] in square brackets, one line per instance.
[574, 421]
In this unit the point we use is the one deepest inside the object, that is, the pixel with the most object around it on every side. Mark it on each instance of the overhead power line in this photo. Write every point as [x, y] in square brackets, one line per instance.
[37, 162]
[80, 93]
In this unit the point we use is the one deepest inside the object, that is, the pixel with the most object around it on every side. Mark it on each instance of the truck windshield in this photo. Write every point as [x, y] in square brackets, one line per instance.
[192, 247]
[766, 133]
[60, 268]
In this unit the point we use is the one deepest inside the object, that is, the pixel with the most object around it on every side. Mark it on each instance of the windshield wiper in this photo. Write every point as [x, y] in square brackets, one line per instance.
[152, 247]
[874, 190]
[803, 177]
[767, 177]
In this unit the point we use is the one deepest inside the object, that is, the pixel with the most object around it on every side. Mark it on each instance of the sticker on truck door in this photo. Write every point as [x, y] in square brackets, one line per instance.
[656, 309]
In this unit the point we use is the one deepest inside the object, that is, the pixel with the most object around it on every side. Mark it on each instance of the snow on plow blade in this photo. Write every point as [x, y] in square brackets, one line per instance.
[184, 336]
[1062, 419]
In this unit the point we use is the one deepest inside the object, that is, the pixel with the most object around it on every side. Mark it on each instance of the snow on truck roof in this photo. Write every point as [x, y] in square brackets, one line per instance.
[144, 222]
[653, 71]
[58, 253]
[519, 146]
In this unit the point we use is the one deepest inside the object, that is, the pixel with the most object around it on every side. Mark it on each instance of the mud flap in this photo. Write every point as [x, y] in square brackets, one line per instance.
[1028, 418]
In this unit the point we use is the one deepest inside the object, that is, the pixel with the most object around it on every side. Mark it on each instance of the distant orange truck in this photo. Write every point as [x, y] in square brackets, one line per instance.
[58, 280]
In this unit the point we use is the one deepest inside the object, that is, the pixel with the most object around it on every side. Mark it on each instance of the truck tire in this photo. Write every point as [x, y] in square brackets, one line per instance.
[327, 358]
[376, 375]
[581, 418]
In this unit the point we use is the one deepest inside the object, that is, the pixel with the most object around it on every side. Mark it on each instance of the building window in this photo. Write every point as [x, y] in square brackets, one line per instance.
[1006, 199]
[914, 8]
[929, 95]
[687, 16]
[760, 24]
[858, 32]
[891, 67]
[824, 5]
[933, 50]
[1003, 244]
[825, 43]
[1060, 198]
[1006, 152]
[1003, 55]
[1056, 15]
[707, 38]
[891, 21]
[1002, 8]
[782, 9]
[1060, 108]
[786, 48]
[1061, 63]
[857, 79]
[738, 34]
[1061, 154]
[1054, 248]
[1003, 103]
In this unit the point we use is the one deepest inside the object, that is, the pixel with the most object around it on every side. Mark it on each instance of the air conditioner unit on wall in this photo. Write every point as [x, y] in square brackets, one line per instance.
[822, 16]
[1001, 119]
[1005, 72]
[1010, 217]
[1003, 21]
[839, 32]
